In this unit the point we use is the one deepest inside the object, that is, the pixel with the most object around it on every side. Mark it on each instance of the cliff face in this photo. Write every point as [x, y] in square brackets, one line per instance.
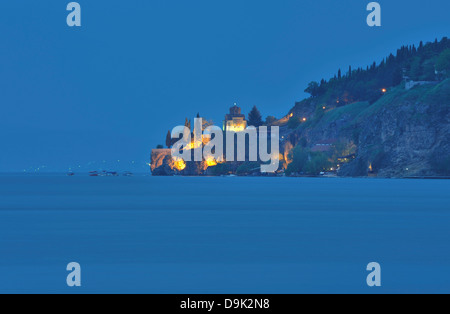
[161, 163]
[404, 133]
[157, 158]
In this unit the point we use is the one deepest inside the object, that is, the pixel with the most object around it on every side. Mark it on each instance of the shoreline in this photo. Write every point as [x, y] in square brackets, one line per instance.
[60, 174]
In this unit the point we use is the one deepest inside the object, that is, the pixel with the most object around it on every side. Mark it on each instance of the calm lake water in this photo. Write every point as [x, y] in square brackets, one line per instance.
[223, 235]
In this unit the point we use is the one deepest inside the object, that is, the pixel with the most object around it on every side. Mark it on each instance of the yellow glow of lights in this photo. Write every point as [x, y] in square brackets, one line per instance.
[291, 115]
[304, 119]
[211, 162]
[206, 140]
[193, 145]
[384, 90]
[179, 163]
[235, 128]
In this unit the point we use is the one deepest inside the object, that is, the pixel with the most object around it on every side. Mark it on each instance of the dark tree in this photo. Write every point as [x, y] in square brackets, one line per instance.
[443, 61]
[254, 118]
[270, 120]
[169, 139]
[397, 77]
[365, 83]
[313, 89]
[187, 123]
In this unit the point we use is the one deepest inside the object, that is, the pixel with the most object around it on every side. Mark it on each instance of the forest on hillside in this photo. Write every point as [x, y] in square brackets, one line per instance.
[427, 62]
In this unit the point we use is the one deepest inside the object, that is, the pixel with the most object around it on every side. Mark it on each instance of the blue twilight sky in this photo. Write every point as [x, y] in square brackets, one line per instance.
[111, 90]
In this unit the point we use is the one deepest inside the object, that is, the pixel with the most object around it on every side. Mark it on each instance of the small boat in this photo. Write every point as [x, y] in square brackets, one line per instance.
[70, 174]
[127, 174]
[93, 174]
[105, 173]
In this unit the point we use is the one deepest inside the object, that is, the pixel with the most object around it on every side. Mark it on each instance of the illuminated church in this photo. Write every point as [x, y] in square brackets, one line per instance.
[235, 120]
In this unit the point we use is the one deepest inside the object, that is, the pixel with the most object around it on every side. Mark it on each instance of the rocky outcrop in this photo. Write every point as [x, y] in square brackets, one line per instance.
[166, 168]
[158, 157]
[162, 164]
[404, 134]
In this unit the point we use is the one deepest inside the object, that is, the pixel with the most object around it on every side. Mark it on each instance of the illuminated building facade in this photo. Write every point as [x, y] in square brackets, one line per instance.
[235, 121]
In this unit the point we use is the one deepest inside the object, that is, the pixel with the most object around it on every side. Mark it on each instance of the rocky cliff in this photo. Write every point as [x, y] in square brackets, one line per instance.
[405, 133]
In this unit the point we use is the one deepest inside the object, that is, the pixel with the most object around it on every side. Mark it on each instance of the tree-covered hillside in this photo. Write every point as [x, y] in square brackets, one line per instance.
[427, 62]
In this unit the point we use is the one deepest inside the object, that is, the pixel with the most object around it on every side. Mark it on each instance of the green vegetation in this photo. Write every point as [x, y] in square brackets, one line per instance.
[248, 168]
[220, 169]
[255, 118]
[443, 62]
[299, 157]
[368, 84]
[294, 122]
[344, 148]
[398, 96]
[350, 118]
[270, 120]
[438, 94]
[363, 109]
[388, 99]
[307, 162]
[317, 163]
[352, 109]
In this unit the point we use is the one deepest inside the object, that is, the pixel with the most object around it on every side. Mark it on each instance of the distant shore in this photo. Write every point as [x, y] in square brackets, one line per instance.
[143, 174]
